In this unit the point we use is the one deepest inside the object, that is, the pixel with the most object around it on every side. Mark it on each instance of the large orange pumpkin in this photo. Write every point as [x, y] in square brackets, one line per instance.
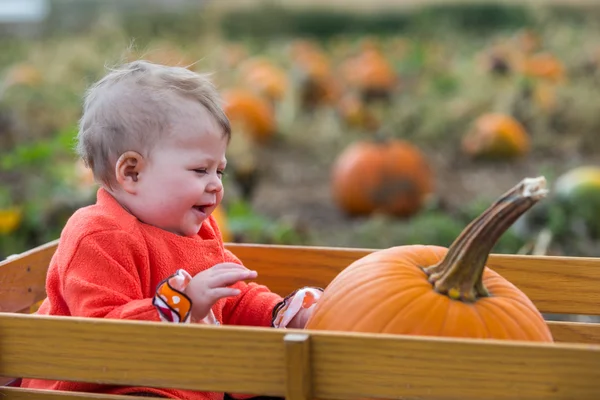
[496, 135]
[434, 291]
[387, 176]
[250, 112]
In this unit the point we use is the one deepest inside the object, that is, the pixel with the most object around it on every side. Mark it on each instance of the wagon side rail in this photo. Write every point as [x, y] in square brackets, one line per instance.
[297, 364]
[560, 285]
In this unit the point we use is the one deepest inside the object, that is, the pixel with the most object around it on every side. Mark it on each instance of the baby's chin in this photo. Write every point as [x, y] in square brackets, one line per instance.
[185, 230]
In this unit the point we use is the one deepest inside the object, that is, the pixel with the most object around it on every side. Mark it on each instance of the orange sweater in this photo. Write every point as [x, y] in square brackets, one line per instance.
[108, 265]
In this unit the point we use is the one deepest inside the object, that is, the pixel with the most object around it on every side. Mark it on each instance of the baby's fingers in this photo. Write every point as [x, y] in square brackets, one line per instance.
[230, 277]
[228, 266]
[219, 293]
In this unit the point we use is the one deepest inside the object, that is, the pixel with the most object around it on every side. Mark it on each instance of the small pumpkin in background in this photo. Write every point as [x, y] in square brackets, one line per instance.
[437, 291]
[22, 74]
[496, 135]
[370, 72]
[388, 176]
[543, 66]
[220, 216]
[262, 75]
[312, 73]
[251, 112]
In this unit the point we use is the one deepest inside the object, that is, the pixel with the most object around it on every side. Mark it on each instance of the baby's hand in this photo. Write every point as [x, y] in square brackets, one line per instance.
[212, 284]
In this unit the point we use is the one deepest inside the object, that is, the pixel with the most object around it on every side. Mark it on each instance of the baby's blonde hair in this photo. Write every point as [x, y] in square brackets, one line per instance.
[131, 107]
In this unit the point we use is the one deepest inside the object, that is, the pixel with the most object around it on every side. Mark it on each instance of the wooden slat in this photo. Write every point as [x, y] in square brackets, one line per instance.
[131, 352]
[23, 279]
[391, 367]
[565, 285]
[8, 393]
[298, 379]
[251, 360]
[575, 332]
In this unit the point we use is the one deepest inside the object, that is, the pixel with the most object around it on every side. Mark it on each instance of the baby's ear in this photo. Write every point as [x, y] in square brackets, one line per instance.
[127, 170]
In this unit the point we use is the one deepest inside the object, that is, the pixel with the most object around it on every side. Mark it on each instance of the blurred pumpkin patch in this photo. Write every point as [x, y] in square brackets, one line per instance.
[462, 84]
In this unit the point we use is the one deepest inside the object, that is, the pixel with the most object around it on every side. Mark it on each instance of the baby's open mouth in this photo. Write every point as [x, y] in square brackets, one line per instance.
[200, 208]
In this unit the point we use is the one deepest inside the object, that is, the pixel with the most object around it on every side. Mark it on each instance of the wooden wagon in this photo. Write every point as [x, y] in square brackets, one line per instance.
[300, 364]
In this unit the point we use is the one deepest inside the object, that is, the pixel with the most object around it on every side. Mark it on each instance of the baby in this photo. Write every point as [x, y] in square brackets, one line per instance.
[155, 139]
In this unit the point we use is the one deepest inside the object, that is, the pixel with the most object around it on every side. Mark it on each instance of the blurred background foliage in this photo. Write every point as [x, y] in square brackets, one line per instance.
[514, 71]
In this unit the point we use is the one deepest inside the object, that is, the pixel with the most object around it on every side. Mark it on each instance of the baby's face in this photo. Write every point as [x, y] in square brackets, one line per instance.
[181, 183]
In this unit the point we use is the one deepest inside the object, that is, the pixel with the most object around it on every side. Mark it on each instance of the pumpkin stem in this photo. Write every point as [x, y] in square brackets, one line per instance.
[460, 274]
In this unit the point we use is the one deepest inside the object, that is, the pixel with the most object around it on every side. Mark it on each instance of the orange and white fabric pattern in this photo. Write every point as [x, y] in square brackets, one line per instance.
[172, 304]
[285, 311]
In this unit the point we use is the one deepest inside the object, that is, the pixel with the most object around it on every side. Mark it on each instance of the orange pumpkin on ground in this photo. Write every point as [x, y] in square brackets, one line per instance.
[434, 291]
[370, 72]
[251, 112]
[311, 69]
[543, 66]
[262, 75]
[496, 136]
[387, 176]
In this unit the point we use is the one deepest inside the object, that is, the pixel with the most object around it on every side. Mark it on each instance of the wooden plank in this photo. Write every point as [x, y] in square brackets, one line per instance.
[129, 352]
[8, 393]
[251, 360]
[298, 380]
[575, 332]
[23, 278]
[285, 268]
[408, 367]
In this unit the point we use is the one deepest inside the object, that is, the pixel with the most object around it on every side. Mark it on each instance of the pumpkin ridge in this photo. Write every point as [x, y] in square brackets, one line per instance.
[525, 309]
[415, 299]
[373, 284]
[483, 321]
[343, 298]
[509, 291]
[403, 294]
[494, 308]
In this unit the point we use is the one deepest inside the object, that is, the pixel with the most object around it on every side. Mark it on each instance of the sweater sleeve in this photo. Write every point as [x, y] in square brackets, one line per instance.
[102, 280]
[253, 306]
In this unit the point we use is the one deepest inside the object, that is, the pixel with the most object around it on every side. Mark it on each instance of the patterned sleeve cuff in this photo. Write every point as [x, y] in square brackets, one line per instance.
[170, 300]
[287, 309]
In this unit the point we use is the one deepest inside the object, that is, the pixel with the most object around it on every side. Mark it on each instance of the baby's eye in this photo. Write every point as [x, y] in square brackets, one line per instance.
[221, 173]
[200, 170]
